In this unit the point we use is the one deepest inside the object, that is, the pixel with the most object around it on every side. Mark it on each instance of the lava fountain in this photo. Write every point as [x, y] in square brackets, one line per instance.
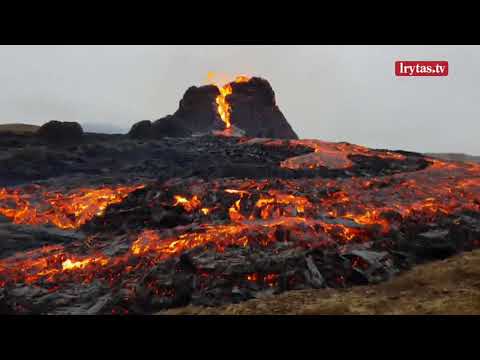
[224, 109]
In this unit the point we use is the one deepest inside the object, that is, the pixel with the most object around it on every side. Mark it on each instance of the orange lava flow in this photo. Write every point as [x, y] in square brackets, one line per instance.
[47, 263]
[327, 154]
[304, 212]
[223, 107]
[332, 155]
[64, 211]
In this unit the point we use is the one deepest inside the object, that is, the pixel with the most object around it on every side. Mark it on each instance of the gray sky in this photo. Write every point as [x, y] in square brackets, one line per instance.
[335, 93]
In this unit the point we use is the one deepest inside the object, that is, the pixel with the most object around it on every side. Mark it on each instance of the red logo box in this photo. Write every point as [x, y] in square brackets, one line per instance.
[421, 68]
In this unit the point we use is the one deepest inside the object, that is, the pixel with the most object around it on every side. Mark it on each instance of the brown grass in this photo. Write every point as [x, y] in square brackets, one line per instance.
[18, 128]
[451, 286]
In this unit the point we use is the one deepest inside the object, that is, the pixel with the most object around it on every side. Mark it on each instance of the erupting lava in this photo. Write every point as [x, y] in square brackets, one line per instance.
[223, 107]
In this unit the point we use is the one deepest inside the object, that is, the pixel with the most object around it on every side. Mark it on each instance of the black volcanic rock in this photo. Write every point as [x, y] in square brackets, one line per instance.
[60, 132]
[141, 130]
[198, 110]
[169, 126]
[253, 110]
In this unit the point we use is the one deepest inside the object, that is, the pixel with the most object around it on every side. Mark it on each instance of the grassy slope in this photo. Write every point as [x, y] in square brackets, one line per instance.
[18, 128]
[451, 286]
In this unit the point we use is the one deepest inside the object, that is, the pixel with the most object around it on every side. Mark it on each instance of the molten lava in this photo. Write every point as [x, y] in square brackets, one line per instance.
[223, 107]
[35, 206]
[189, 205]
[327, 154]
[272, 214]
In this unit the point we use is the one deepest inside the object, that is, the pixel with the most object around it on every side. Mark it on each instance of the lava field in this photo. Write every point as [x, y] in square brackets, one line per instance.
[117, 224]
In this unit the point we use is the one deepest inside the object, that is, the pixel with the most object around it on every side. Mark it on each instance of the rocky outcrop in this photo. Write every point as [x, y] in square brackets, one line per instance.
[168, 126]
[60, 132]
[197, 110]
[141, 130]
[253, 110]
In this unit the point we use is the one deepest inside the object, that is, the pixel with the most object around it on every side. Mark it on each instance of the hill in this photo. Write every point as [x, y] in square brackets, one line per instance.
[18, 128]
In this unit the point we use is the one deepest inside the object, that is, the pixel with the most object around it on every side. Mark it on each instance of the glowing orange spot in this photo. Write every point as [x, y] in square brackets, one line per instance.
[70, 265]
[189, 205]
